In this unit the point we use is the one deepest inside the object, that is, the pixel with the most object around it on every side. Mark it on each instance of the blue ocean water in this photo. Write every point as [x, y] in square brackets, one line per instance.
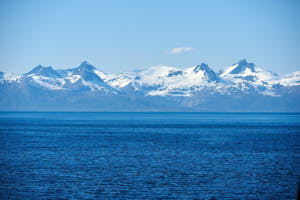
[69, 155]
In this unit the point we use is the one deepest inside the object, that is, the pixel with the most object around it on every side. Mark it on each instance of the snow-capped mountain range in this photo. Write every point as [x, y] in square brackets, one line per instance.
[188, 88]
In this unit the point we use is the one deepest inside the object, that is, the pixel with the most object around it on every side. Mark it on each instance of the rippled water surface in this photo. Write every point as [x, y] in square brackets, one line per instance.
[49, 155]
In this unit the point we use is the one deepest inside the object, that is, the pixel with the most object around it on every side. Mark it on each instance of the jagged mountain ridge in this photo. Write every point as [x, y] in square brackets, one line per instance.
[187, 88]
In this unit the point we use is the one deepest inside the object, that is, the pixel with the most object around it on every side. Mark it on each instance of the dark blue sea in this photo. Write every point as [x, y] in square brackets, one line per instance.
[73, 155]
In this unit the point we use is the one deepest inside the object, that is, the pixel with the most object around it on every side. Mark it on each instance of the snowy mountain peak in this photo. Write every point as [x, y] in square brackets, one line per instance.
[208, 72]
[85, 76]
[85, 66]
[241, 66]
[44, 71]
[202, 67]
[35, 70]
[86, 71]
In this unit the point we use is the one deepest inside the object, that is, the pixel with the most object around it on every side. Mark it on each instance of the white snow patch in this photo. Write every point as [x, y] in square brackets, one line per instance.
[47, 82]
[292, 79]
[11, 77]
[100, 73]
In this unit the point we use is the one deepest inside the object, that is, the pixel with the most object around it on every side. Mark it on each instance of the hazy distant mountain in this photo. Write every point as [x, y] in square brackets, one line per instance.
[240, 87]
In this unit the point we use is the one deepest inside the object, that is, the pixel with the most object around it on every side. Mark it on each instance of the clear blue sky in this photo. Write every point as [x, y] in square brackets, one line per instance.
[123, 35]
